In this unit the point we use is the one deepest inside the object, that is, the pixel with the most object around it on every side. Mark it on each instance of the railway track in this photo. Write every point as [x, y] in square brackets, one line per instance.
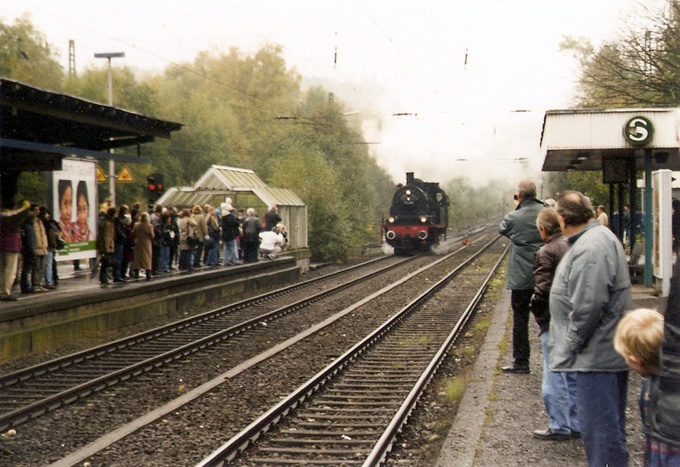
[35, 391]
[351, 412]
[96, 450]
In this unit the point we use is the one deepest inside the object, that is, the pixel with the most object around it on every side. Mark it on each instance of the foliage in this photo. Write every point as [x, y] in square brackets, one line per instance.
[470, 205]
[26, 56]
[239, 111]
[588, 183]
[639, 69]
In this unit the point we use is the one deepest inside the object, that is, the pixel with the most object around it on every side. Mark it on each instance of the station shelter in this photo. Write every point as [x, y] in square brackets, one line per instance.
[246, 190]
[620, 143]
[46, 131]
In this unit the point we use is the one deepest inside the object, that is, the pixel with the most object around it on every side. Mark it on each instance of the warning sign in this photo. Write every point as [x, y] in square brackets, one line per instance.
[125, 176]
[101, 176]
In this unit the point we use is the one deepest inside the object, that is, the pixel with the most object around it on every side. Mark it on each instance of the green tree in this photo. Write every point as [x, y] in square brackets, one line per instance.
[636, 70]
[305, 169]
[588, 183]
[26, 56]
[469, 205]
[237, 110]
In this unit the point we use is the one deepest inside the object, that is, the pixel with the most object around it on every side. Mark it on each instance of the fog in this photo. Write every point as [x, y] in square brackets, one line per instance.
[435, 85]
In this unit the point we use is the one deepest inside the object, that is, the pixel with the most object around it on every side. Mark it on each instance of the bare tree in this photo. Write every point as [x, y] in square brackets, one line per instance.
[641, 68]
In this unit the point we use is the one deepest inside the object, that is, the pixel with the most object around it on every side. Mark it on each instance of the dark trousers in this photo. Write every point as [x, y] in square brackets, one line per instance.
[198, 255]
[520, 300]
[108, 261]
[250, 252]
[601, 407]
[156, 257]
[26, 272]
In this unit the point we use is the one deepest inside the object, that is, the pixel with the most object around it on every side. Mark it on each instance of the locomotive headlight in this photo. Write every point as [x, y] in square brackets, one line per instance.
[390, 235]
[391, 220]
[423, 219]
[408, 192]
[422, 234]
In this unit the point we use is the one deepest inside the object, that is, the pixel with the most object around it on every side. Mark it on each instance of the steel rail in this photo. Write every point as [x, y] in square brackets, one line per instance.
[241, 441]
[384, 444]
[85, 389]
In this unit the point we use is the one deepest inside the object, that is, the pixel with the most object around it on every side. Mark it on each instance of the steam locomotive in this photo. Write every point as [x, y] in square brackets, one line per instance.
[419, 216]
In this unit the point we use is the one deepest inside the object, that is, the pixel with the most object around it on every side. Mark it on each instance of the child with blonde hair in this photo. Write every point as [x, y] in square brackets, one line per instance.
[639, 336]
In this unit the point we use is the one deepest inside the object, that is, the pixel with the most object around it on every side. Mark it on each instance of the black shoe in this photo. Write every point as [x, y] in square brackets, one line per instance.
[8, 298]
[549, 435]
[119, 280]
[28, 291]
[575, 435]
[516, 369]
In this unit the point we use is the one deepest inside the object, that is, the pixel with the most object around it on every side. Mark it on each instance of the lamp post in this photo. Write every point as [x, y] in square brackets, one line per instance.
[112, 164]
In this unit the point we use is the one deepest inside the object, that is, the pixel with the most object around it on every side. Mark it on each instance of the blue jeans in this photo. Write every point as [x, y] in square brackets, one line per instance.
[230, 252]
[186, 260]
[602, 417]
[164, 265]
[120, 259]
[559, 396]
[213, 256]
[49, 272]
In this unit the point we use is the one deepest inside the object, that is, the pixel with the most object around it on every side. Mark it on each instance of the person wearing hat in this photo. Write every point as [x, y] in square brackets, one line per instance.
[230, 233]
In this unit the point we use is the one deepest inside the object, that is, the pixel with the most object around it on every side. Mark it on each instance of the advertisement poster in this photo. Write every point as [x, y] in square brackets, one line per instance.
[74, 204]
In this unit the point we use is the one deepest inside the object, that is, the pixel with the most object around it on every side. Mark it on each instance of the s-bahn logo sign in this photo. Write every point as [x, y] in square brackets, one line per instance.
[638, 131]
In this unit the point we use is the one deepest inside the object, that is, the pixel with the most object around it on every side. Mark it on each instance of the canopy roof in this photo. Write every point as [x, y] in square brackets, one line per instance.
[587, 140]
[40, 127]
[221, 181]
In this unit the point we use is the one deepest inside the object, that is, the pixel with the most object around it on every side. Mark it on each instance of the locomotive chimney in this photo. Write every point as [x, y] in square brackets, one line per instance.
[409, 178]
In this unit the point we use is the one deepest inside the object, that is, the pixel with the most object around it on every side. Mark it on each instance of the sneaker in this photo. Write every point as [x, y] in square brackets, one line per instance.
[549, 435]
[516, 369]
[40, 288]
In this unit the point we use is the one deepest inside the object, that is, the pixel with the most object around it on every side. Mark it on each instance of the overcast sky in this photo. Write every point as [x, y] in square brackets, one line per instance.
[461, 68]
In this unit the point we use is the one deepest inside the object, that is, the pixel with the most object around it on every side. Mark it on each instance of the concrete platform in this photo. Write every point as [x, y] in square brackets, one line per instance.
[80, 307]
[498, 412]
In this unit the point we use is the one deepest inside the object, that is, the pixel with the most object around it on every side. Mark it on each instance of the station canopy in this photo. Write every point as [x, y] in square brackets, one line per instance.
[608, 140]
[221, 182]
[246, 190]
[39, 127]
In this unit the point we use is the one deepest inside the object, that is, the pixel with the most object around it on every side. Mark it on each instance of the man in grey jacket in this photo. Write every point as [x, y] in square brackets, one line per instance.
[590, 294]
[520, 227]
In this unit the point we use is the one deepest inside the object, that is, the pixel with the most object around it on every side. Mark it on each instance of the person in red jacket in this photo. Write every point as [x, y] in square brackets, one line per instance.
[10, 246]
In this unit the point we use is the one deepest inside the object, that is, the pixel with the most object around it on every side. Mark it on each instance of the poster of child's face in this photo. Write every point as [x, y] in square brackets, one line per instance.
[74, 190]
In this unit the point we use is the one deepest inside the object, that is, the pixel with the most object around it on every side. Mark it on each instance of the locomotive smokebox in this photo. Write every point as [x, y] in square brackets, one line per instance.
[409, 178]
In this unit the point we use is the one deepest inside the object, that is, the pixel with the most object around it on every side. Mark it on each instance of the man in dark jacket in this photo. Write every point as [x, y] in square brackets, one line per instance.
[520, 227]
[662, 423]
[271, 218]
[121, 239]
[230, 233]
[28, 244]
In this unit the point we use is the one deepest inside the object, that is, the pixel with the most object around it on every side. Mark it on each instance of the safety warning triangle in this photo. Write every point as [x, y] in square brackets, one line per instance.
[101, 176]
[125, 176]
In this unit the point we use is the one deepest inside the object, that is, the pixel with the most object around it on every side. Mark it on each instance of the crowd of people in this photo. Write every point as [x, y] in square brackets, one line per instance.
[169, 239]
[568, 268]
[130, 240]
